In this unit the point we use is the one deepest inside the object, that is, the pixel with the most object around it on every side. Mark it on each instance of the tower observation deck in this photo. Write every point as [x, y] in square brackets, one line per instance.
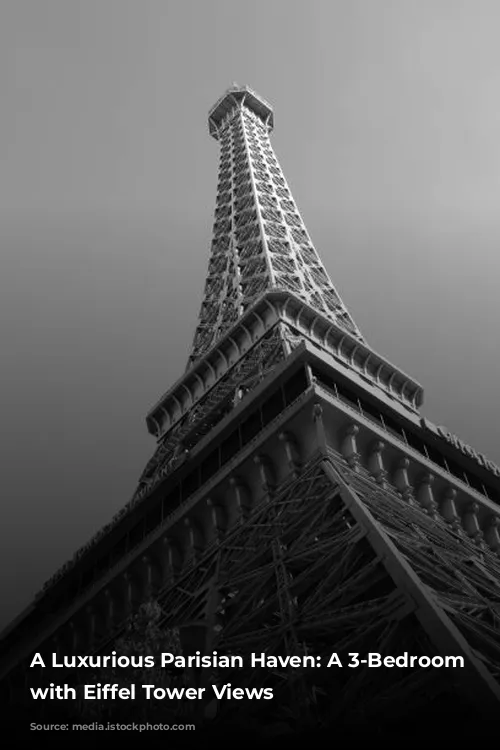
[239, 95]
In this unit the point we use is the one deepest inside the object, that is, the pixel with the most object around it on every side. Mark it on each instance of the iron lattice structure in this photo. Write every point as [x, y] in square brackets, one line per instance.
[330, 563]
[259, 242]
[296, 504]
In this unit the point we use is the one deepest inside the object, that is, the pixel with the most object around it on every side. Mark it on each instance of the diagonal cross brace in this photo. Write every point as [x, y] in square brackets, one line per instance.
[477, 681]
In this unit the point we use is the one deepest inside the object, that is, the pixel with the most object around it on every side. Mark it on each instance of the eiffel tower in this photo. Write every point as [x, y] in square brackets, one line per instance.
[297, 502]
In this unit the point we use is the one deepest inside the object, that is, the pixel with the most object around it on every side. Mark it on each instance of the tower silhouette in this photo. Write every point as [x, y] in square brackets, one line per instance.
[297, 503]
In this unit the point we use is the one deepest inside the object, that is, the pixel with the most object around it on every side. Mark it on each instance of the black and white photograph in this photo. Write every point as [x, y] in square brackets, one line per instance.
[249, 370]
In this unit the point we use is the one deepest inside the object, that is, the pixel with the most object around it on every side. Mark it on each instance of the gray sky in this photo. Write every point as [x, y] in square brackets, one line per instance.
[387, 128]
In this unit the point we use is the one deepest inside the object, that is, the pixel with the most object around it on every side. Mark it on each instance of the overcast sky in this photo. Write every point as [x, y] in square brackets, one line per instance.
[388, 130]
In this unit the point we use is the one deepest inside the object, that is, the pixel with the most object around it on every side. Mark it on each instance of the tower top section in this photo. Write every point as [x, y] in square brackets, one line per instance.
[234, 96]
[264, 273]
